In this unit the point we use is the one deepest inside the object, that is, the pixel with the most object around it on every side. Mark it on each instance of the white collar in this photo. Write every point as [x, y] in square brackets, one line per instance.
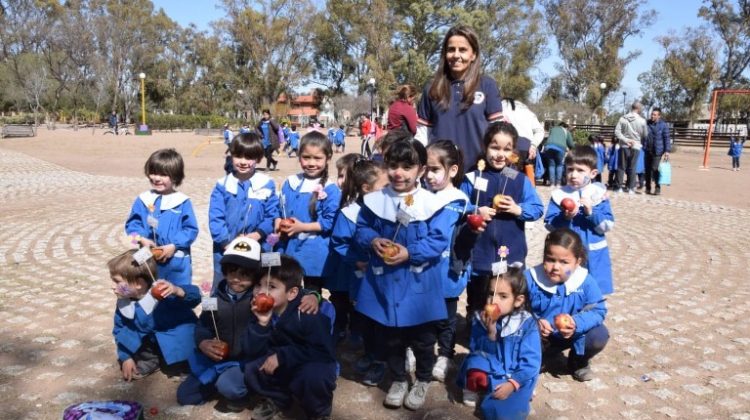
[127, 306]
[573, 283]
[351, 212]
[168, 201]
[450, 195]
[595, 191]
[231, 182]
[308, 185]
[510, 325]
[386, 203]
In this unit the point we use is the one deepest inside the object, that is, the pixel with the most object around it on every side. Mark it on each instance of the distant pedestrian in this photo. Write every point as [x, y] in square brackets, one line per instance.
[630, 130]
[735, 151]
[656, 149]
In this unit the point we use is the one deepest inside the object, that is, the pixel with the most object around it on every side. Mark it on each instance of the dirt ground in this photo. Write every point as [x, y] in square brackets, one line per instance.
[679, 336]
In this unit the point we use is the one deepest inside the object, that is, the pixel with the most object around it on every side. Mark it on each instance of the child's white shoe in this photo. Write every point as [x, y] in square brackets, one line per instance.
[470, 398]
[441, 368]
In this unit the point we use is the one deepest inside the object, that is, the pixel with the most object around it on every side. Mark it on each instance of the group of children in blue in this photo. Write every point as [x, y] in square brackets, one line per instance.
[391, 242]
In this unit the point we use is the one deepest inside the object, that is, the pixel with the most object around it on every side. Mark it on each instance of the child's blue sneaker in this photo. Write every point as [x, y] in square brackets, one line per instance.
[362, 365]
[375, 374]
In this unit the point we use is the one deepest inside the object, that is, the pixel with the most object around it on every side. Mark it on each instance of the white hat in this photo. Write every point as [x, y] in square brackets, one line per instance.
[244, 252]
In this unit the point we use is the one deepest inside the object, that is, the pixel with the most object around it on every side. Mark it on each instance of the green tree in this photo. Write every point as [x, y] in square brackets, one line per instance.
[590, 35]
[679, 83]
[733, 27]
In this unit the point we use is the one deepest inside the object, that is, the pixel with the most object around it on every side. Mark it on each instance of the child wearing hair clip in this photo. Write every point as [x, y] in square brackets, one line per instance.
[569, 304]
[505, 351]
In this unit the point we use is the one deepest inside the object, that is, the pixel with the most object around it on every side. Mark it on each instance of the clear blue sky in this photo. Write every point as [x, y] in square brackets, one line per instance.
[672, 15]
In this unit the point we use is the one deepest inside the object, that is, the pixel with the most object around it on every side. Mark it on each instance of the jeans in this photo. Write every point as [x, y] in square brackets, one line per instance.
[628, 160]
[270, 161]
[735, 161]
[554, 159]
[651, 165]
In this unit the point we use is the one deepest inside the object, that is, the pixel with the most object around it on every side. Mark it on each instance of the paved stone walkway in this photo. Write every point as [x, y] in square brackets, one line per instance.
[680, 336]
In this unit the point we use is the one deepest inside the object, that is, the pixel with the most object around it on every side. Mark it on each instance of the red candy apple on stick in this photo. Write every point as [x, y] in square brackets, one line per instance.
[476, 220]
[568, 204]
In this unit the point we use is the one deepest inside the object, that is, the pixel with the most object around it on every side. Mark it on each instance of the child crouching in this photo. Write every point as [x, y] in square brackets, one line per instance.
[152, 321]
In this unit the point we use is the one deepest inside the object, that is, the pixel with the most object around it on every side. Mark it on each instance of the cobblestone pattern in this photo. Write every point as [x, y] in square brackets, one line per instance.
[679, 340]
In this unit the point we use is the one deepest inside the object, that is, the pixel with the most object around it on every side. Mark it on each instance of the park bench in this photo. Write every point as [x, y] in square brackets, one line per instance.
[17, 130]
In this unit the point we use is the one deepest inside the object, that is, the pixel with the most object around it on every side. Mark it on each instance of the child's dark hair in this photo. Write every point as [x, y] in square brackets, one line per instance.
[518, 286]
[290, 272]
[126, 267]
[362, 172]
[247, 145]
[582, 155]
[294, 127]
[317, 139]
[167, 162]
[392, 137]
[229, 268]
[406, 153]
[449, 154]
[567, 239]
[497, 128]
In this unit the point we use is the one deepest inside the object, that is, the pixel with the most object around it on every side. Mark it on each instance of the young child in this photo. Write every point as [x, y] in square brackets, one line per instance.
[735, 151]
[217, 364]
[293, 352]
[293, 141]
[562, 286]
[505, 352]
[443, 175]
[589, 215]
[147, 328]
[406, 231]
[309, 202]
[339, 139]
[362, 177]
[164, 219]
[508, 203]
[243, 203]
[613, 153]
[597, 142]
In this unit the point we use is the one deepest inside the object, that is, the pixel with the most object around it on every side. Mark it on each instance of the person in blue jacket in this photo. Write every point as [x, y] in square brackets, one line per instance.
[562, 286]
[339, 139]
[613, 155]
[406, 229]
[242, 203]
[443, 176]
[508, 201]
[292, 352]
[505, 351]
[597, 143]
[147, 328]
[309, 202]
[657, 146]
[591, 216]
[293, 141]
[163, 218]
[735, 151]
[347, 263]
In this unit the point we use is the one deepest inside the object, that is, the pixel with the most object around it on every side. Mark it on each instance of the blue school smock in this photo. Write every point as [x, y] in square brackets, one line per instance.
[309, 248]
[579, 297]
[410, 293]
[601, 157]
[504, 229]
[342, 274]
[735, 148]
[516, 354]
[465, 127]
[176, 225]
[640, 162]
[339, 137]
[613, 158]
[294, 140]
[454, 281]
[237, 208]
[592, 229]
[170, 321]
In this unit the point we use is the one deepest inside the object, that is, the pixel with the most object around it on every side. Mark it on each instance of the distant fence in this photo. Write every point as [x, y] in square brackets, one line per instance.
[681, 136]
